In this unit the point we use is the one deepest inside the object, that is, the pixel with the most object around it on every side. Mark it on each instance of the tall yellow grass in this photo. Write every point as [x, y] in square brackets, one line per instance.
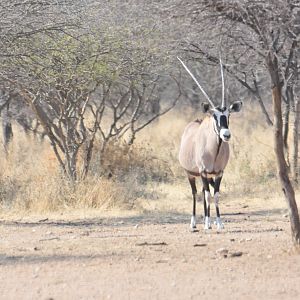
[137, 176]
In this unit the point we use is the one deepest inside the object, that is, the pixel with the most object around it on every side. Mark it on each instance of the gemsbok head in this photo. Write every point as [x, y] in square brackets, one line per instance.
[204, 150]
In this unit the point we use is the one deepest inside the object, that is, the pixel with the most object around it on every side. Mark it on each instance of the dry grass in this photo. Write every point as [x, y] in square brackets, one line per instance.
[144, 176]
[252, 167]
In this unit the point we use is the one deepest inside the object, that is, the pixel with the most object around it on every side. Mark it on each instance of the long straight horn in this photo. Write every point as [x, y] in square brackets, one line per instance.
[198, 84]
[223, 84]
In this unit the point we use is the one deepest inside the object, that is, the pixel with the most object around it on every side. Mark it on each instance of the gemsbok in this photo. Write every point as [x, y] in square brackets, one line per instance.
[204, 150]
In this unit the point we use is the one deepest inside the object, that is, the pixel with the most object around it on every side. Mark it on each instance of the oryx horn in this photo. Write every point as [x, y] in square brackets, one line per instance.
[223, 83]
[198, 84]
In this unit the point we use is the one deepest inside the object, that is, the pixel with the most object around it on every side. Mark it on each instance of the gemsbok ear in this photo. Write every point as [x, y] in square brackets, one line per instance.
[236, 106]
[205, 107]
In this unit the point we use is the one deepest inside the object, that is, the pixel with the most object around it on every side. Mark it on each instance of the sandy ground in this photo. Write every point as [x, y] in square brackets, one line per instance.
[150, 256]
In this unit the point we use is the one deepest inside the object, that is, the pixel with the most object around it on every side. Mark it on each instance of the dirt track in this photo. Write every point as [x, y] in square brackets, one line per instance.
[152, 256]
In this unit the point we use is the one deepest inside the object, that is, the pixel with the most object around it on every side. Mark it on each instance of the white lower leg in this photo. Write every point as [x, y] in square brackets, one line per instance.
[218, 219]
[193, 222]
[219, 223]
[207, 223]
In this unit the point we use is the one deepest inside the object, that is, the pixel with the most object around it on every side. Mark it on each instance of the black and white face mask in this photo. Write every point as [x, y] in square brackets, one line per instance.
[221, 118]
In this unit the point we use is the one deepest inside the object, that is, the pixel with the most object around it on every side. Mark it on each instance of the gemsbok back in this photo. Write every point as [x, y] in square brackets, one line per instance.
[204, 151]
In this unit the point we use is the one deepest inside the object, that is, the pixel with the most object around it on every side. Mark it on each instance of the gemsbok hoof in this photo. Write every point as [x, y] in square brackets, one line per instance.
[207, 224]
[219, 224]
[193, 224]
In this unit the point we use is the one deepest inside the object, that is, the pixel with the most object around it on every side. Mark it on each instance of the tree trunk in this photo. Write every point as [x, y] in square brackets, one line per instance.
[71, 163]
[263, 109]
[6, 128]
[260, 101]
[286, 185]
[88, 151]
[286, 119]
[295, 172]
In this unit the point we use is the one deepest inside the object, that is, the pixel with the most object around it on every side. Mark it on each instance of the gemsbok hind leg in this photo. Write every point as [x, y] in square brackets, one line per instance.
[192, 181]
[216, 198]
[206, 203]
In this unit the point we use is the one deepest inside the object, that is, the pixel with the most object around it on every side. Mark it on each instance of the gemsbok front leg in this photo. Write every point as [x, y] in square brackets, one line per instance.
[206, 203]
[216, 199]
[192, 181]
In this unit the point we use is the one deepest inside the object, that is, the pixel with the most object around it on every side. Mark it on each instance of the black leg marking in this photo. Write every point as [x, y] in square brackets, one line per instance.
[211, 182]
[217, 211]
[204, 203]
[192, 181]
[216, 190]
[217, 184]
[206, 183]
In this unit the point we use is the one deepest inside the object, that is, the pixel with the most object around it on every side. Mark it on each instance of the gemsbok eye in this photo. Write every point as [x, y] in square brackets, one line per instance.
[204, 151]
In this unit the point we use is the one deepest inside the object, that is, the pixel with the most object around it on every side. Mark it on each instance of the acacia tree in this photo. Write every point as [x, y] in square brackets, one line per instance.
[264, 33]
[6, 119]
[86, 85]
[19, 21]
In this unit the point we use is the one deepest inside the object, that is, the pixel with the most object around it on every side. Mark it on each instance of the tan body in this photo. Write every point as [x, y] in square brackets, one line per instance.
[201, 150]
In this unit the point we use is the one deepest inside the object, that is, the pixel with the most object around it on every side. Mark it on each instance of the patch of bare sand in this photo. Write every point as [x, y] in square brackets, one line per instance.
[150, 255]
